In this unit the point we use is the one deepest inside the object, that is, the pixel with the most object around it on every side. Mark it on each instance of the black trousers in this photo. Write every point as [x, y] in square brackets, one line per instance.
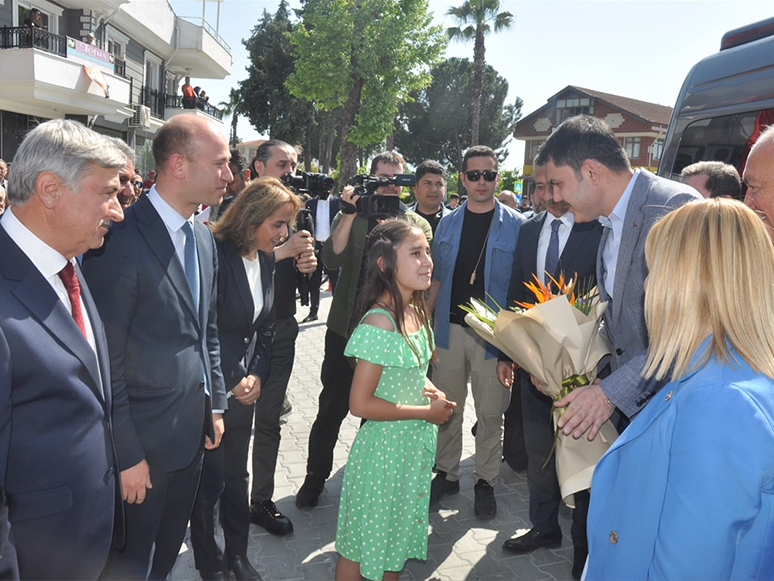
[514, 447]
[221, 502]
[336, 376]
[161, 520]
[544, 495]
[268, 408]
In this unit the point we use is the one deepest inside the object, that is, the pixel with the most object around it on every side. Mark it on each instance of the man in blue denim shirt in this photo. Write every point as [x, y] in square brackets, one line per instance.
[479, 268]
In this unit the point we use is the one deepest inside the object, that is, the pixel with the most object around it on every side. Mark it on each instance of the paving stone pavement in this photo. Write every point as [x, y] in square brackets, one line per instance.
[461, 547]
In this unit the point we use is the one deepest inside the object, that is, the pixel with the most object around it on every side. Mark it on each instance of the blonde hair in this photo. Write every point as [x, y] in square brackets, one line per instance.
[711, 268]
[252, 207]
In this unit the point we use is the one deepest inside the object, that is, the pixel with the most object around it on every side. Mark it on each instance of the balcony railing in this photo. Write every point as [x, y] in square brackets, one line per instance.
[206, 26]
[120, 68]
[33, 37]
[178, 102]
[154, 100]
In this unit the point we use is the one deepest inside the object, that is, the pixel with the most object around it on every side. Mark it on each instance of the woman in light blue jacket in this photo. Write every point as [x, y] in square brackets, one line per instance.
[687, 491]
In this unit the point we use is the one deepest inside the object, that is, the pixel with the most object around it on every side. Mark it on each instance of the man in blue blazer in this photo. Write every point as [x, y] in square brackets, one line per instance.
[155, 285]
[574, 255]
[59, 491]
[588, 168]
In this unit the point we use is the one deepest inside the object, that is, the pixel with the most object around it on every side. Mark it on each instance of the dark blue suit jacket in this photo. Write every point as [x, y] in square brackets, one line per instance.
[58, 480]
[238, 333]
[579, 257]
[160, 347]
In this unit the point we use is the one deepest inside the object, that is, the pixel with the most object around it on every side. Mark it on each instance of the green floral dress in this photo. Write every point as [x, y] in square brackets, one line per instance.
[383, 515]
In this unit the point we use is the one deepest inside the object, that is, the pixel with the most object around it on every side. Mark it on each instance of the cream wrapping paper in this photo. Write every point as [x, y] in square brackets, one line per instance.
[553, 341]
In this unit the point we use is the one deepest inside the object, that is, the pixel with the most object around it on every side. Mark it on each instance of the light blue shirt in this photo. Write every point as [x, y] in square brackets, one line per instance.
[615, 221]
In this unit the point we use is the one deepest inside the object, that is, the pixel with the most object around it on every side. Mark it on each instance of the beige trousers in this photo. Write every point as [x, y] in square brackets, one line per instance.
[465, 358]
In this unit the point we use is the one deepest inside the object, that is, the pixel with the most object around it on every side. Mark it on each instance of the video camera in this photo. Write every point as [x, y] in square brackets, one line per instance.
[314, 184]
[373, 205]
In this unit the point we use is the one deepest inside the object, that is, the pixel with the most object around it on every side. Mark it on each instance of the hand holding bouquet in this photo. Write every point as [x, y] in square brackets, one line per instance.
[557, 341]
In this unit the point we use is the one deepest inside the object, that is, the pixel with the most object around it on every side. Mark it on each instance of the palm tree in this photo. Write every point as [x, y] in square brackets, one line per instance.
[476, 19]
[233, 108]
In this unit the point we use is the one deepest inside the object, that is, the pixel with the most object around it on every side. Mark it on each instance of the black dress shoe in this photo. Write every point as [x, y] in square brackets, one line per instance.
[243, 570]
[310, 317]
[265, 514]
[484, 505]
[533, 540]
[309, 493]
[215, 575]
[441, 487]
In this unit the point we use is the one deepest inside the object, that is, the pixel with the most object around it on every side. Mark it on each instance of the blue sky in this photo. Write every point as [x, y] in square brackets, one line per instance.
[639, 49]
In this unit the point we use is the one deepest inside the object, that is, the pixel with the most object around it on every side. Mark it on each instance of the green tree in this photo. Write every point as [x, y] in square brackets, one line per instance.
[233, 107]
[364, 56]
[266, 102]
[435, 123]
[476, 19]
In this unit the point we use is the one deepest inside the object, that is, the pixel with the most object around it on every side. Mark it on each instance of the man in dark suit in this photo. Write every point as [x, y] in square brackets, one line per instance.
[589, 170]
[154, 283]
[323, 209]
[550, 243]
[59, 491]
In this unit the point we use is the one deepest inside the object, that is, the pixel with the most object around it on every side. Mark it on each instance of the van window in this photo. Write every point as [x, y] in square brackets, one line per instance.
[727, 139]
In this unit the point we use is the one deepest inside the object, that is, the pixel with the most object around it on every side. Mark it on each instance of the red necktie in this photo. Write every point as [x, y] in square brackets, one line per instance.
[70, 280]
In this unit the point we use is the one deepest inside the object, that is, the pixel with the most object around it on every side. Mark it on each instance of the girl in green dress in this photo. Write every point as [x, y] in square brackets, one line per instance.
[386, 491]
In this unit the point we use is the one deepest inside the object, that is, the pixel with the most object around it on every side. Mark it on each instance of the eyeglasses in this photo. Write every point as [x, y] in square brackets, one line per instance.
[474, 175]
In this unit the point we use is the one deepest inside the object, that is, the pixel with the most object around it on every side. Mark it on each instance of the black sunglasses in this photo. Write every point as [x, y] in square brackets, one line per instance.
[474, 175]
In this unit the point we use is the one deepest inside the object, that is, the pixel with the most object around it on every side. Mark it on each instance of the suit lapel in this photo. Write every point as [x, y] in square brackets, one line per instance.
[103, 357]
[242, 284]
[156, 235]
[630, 235]
[531, 239]
[34, 292]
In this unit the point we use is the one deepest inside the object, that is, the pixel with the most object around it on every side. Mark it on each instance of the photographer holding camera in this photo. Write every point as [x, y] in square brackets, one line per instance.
[344, 249]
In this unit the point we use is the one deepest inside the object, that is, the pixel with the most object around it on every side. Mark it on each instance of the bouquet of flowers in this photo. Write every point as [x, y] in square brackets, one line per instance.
[557, 341]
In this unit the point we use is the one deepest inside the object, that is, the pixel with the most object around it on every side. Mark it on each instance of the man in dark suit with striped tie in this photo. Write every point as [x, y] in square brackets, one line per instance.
[59, 496]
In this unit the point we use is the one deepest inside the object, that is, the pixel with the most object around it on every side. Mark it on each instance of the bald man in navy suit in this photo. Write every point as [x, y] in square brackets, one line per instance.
[155, 285]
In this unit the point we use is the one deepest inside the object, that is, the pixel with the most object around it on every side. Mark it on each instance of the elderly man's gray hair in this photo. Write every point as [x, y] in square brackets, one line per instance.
[65, 148]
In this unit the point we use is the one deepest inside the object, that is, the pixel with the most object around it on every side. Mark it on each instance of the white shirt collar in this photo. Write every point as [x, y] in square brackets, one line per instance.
[619, 211]
[47, 260]
[171, 217]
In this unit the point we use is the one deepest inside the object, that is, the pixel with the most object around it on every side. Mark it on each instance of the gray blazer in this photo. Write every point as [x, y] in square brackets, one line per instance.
[624, 320]
[160, 347]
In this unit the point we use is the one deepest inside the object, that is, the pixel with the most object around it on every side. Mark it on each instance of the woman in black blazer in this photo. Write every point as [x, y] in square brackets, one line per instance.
[246, 236]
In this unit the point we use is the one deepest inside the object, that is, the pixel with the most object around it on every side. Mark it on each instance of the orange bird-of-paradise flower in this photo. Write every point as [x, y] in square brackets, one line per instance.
[543, 292]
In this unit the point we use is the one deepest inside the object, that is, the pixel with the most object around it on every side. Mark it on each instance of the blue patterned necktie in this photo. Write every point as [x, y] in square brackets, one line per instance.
[552, 255]
[191, 263]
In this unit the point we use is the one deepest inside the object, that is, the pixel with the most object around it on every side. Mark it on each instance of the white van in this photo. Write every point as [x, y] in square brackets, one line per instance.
[725, 101]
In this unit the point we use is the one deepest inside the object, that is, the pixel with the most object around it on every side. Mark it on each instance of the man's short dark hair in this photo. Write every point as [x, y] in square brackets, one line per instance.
[722, 178]
[264, 151]
[388, 157]
[173, 138]
[478, 151]
[237, 160]
[429, 166]
[580, 138]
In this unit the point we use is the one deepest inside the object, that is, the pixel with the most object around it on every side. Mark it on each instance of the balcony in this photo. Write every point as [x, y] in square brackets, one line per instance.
[164, 106]
[200, 50]
[176, 102]
[38, 78]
